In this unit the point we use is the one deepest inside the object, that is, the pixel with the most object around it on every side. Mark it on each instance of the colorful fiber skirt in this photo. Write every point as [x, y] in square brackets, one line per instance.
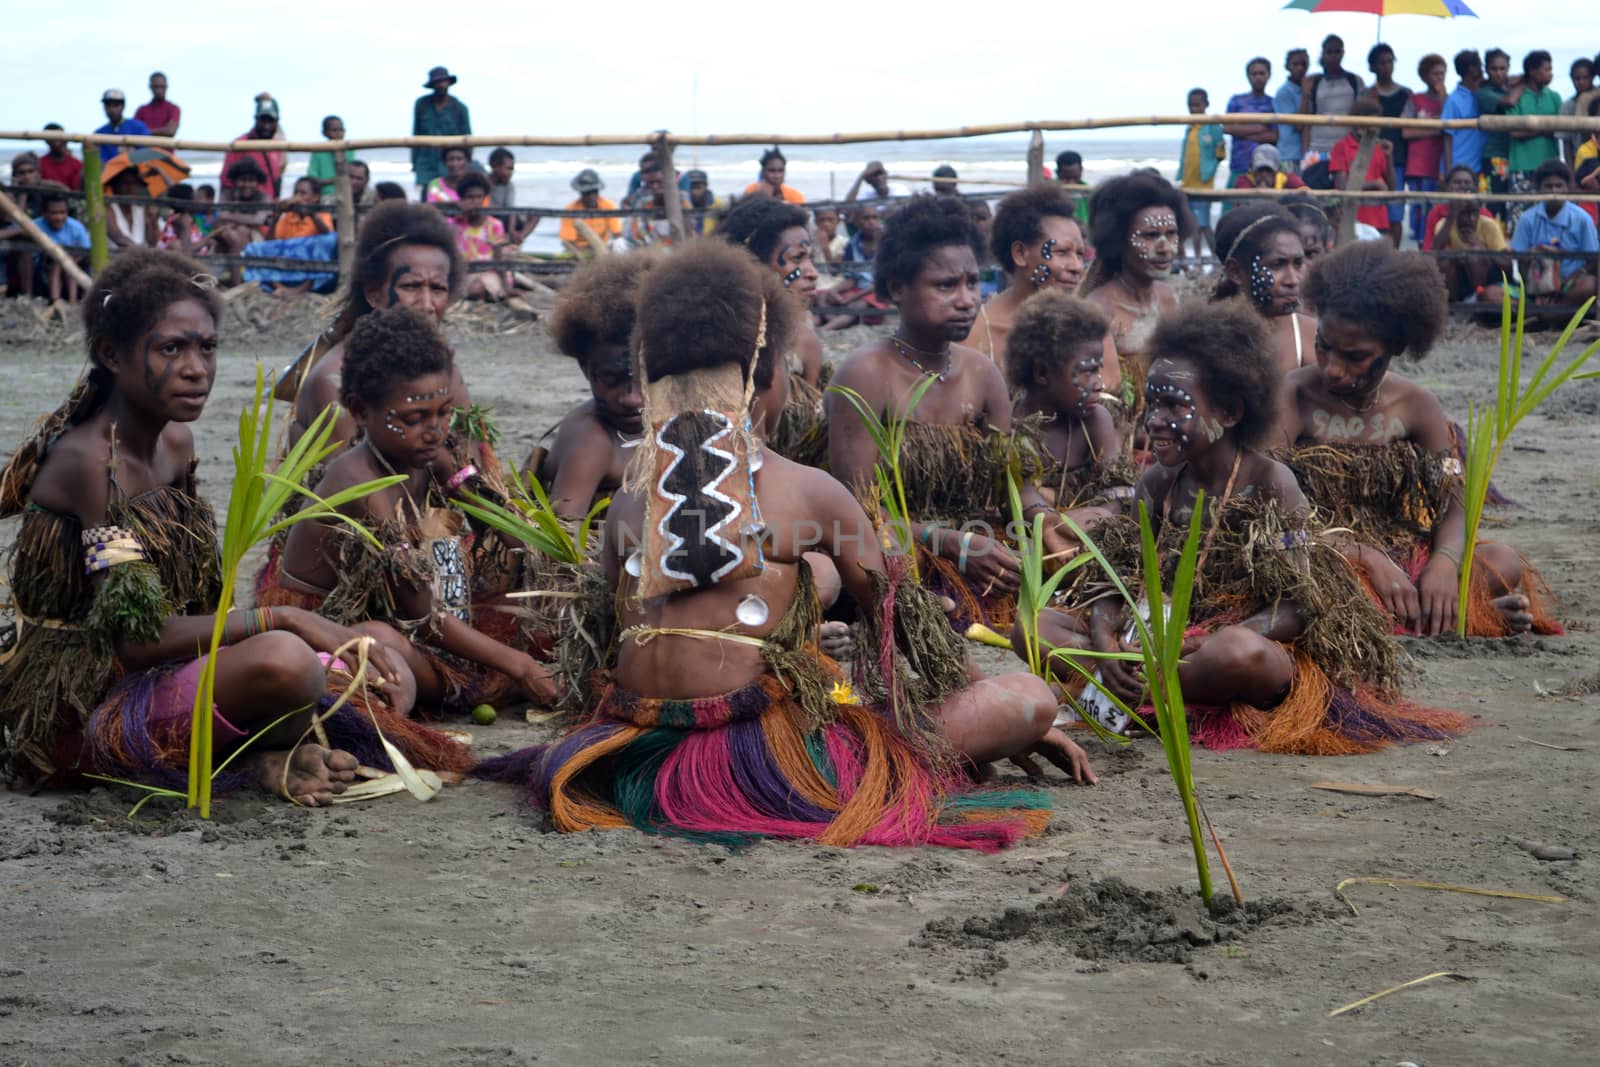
[1483, 618]
[137, 734]
[974, 603]
[747, 765]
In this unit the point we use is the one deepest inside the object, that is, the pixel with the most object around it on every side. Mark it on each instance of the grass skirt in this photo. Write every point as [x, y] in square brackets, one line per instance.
[750, 764]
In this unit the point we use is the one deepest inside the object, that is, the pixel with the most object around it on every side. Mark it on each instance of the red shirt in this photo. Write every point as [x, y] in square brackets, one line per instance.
[1343, 157]
[67, 170]
[155, 115]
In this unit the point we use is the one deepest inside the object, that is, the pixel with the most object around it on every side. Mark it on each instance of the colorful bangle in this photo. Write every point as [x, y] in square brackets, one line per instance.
[258, 621]
[459, 477]
[966, 544]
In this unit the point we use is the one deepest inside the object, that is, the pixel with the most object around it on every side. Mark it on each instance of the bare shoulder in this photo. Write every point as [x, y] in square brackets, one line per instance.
[580, 429]
[861, 368]
[1301, 384]
[73, 478]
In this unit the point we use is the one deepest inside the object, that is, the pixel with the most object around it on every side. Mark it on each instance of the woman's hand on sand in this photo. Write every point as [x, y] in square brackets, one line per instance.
[1061, 750]
[1438, 591]
[1395, 592]
[991, 568]
[533, 681]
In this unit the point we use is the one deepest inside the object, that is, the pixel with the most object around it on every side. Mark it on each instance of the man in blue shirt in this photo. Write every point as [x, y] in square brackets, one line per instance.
[115, 103]
[1247, 135]
[1287, 102]
[1464, 147]
[1560, 225]
[439, 114]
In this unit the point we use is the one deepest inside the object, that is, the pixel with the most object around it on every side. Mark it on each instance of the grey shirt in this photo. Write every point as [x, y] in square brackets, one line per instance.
[1334, 97]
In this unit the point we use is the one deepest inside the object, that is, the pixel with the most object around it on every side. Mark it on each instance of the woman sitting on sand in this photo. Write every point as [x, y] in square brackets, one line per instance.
[1374, 450]
[415, 573]
[1284, 653]
[593, 324]
[1140, 222]
[719, 718]
[1053, 361]
[1040, 247]
[1264, 261]
[959, 444]
[115, 575]
[776, 234]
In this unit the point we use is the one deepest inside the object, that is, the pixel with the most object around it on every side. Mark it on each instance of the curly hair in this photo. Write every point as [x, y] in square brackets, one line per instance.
[1112, 206]
[123, 304]
[596, 306]
[701, 307]
[913, 231]
[756, 222]
[1241, 236]
[389, 227]
[1397, 297]
[1049, 326]
[389, 347]
[1020, 216]
[472, 180]
[1230, 349]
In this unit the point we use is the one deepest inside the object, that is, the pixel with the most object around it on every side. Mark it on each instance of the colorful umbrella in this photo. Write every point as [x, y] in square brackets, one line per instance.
[1439, 9]
[159, 169]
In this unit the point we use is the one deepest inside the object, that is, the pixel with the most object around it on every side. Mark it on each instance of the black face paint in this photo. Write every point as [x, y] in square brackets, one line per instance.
[792, 277]
[1262, 282]
[158, 382]
[394, 282]
[1041, 273]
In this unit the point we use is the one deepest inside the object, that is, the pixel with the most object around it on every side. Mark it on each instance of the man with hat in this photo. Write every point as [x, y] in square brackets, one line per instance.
[437, 115]
[704, 206]
[1264, 172]
[115, 104]
[271, 163]
[588, 185]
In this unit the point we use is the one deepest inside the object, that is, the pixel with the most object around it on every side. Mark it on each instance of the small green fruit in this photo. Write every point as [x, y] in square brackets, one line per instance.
[483, 714]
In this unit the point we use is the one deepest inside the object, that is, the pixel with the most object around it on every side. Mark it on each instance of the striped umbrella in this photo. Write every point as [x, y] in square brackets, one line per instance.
[1439, 9]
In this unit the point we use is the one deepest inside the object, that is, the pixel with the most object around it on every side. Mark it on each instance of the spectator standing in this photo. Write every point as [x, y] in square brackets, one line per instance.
[1464, 147]
[1425, 148]
[1291, 143]
[58, 164]
[321, 168]
[439, 114]
[1247, 135]
[1496, 96]
[160, 114]
[1582, 72]
[1394, 101]
[1204, 147]
[588, 185]
[1330, 93]
[1069, 174]
[269, 162]
[115, 102]
[1530, 149]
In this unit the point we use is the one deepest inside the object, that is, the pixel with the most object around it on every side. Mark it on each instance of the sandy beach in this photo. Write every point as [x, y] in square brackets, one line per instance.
[461, 932]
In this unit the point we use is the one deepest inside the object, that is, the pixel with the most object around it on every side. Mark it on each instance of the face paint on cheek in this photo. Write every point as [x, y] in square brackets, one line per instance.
[389, 423]
[1262, 281]
[1212, 428]
[394, 283]
[1041, 274]
[792, 277]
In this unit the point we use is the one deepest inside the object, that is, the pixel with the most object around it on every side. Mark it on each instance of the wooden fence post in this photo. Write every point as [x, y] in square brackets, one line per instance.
[94, 196]
[669, 181]
[1354, 182]
[345, 219]
[1036, 158]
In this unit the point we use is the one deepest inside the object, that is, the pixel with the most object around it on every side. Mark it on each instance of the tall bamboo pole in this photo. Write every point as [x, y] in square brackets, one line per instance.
[669, 180]
[1036, 158]
[94, 195]
[345, 219]
[1355, 181]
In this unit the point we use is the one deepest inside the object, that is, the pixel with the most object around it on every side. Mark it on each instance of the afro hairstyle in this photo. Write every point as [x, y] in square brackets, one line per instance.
[387, 348]
[1020, 216]
[1230, 349]
[131, 293]
[1241, 236]
[1047, 329]
[597, 305]
[701, 307]
[390, 226]
[1397, 297]
[1112, 206]
[756, 222]
[913, 231]
[472, 180]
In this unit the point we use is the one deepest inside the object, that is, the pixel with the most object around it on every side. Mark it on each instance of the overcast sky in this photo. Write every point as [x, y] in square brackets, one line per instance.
[628, 67]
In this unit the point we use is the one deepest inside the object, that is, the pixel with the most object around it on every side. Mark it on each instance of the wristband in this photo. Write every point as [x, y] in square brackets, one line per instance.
[459, 477]
[966, 543]
[1449, 554]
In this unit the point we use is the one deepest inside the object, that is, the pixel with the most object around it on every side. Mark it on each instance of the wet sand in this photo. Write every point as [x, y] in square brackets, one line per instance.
[459, 932]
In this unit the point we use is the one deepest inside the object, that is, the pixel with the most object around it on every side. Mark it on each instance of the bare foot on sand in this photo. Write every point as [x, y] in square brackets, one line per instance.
[315, 775]
[836, 640]
[1514, 608]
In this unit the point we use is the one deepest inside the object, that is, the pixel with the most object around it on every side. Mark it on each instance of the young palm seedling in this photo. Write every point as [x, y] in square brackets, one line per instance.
[889, 435]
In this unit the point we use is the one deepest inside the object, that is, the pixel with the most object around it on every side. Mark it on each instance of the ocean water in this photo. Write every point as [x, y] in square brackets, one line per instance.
[543, 175]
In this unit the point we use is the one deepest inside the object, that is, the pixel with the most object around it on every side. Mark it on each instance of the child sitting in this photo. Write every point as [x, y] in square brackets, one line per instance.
[593, 324]
[719, 716]
[1383, 461]
[417, 574]
[1053, 358]
[1285, 653]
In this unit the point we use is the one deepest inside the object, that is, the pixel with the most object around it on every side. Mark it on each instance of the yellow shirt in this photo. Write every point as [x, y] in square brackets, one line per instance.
[1489, 232]
[1189, 173]
[605, 229]
[1586, 151]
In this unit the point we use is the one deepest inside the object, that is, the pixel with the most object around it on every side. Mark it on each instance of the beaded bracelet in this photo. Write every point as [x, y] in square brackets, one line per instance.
[258, 621]
[459, 477]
